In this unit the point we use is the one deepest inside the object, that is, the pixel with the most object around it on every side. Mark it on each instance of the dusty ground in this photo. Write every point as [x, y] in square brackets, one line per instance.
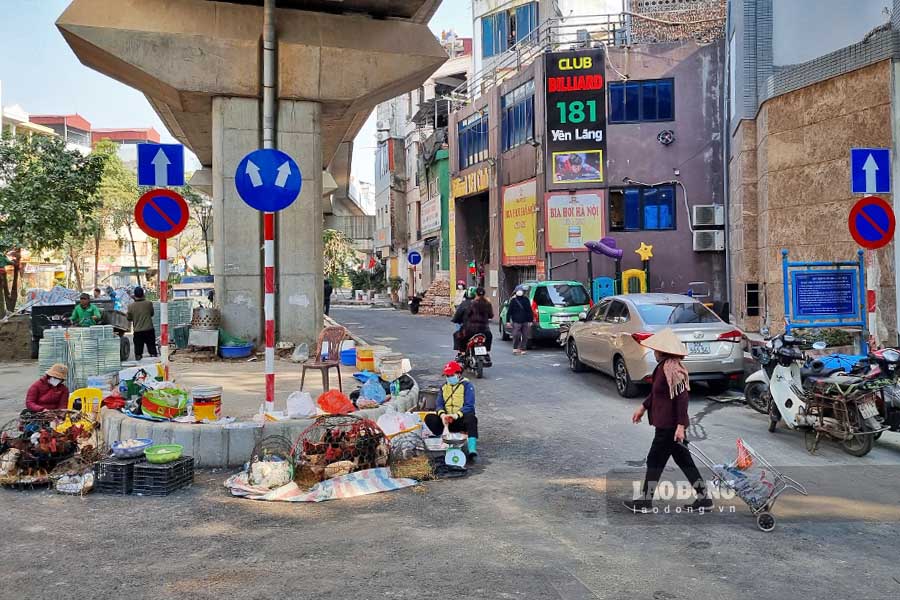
[533, 520]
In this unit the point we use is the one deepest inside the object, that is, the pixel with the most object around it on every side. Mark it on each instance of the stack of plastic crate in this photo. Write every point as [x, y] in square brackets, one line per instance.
[163, 479]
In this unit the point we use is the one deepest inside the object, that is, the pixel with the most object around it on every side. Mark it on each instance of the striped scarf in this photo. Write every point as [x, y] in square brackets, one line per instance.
[676, 376]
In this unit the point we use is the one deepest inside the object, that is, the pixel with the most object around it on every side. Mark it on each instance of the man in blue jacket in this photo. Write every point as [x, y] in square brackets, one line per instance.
[456, 408]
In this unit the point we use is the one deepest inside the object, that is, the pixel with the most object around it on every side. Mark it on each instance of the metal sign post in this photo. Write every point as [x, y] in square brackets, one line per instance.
[162, 214]
[268, 180]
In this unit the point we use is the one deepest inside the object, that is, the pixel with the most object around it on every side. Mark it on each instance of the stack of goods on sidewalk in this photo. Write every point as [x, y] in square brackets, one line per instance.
[87, 351]
[57, 446]
[437, 299]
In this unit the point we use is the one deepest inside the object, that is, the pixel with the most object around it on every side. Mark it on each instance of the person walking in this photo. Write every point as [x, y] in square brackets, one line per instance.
[667, 406]
[521, 316]
[328, 291]
[140, 313]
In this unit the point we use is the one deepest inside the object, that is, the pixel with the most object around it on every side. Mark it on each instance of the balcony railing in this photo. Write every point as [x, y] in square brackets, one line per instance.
[355, 228]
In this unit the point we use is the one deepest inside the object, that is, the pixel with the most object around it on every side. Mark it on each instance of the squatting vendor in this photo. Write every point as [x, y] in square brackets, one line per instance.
[456, 408]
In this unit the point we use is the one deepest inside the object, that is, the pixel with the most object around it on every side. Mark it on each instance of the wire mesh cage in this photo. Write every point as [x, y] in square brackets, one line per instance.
[73, 476]
[33, 443]
[336, 445]
[271, 463]
[409, 457]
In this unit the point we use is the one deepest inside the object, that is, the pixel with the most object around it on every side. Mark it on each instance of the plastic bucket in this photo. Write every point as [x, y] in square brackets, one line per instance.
[348, 357]
[365, 359]
[387, 357]
[207, 402]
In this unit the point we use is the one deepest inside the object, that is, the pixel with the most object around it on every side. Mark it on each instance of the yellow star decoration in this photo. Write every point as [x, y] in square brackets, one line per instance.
[645, 251]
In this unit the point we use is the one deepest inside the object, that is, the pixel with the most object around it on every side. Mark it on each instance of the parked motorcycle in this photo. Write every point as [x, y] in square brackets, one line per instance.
[476, 356]
[756, 388]
[839, 406]
[884, 371]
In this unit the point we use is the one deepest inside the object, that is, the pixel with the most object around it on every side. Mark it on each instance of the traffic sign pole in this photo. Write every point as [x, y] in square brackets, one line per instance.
[164, 303]
[269, 266]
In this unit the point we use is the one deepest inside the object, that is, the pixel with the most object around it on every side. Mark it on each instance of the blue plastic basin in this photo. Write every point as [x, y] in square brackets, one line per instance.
[348, 357]
[236, 351]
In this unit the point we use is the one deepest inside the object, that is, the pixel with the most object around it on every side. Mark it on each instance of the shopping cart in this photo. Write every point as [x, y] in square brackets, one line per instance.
[752, 478]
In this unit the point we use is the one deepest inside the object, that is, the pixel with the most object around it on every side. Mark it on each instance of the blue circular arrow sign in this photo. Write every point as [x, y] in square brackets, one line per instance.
[414, 258]
[268, 180]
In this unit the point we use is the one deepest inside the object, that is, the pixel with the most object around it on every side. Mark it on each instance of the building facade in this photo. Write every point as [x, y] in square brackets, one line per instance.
[606, 129]
[808, 81]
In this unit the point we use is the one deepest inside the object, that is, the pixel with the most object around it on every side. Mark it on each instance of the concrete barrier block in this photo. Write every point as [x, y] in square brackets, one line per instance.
[240, 445]
[211, 449]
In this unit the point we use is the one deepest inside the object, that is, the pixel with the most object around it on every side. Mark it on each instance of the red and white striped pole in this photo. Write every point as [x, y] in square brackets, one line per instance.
[164, 304]
[269, 265]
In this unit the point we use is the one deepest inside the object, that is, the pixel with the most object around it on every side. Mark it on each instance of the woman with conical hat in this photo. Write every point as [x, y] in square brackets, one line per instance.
[667, 406]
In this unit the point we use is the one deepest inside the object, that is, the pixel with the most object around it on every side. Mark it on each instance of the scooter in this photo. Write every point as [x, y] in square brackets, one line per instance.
[476, 356]
[839, 406]
[884, 368]
[756, 388]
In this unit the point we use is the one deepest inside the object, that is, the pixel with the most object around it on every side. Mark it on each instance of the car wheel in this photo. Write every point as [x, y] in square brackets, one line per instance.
[503, 335]
[574, 361]
[624, 385]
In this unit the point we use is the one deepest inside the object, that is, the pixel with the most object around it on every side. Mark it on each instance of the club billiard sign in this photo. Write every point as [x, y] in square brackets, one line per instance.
[576, 116]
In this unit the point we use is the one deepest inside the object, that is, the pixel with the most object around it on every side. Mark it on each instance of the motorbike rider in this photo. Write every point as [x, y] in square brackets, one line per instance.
[85, 313]
[459, 317]
[478, 317]
[455, 408]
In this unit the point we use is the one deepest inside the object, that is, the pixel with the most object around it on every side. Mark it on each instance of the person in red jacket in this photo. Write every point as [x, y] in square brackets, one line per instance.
[49, 392]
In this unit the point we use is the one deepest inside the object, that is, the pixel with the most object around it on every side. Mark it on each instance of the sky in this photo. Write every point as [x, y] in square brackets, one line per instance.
[39, 72]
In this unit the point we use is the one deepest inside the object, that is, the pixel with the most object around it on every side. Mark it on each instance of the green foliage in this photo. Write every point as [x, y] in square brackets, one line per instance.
[395, 283]
[339, 254]
[363, 279]
[48, 198]
[831, 336]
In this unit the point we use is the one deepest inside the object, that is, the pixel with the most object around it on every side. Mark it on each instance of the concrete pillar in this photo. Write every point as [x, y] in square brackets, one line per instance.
[298, 235]
[238, 234]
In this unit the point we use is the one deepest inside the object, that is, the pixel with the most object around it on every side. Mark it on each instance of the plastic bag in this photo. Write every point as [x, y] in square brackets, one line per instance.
[335, 403]
[744, 458]
[372, 390]
[301, 353]
[394, 422]
[300, 405]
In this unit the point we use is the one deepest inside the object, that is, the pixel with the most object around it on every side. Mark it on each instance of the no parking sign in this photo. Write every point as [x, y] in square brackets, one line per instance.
[872, 223]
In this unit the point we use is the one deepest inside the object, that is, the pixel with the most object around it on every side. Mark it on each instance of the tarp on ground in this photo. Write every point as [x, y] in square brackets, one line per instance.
[360, 483]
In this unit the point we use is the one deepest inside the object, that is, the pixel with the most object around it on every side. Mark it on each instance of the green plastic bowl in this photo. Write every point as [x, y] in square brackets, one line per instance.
[163, 453]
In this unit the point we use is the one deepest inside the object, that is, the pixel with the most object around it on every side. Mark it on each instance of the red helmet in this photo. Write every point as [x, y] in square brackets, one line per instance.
[452, 368]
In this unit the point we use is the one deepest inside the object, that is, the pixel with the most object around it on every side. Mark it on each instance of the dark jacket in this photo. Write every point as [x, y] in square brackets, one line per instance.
[519, 310]
[43, 396]
[664, 412]
[140, 312]
[459, 317]
[479, 314]
[328, 289]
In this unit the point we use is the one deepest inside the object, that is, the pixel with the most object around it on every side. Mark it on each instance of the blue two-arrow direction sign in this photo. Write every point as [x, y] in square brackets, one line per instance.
[160, 165]
[268, 180]
[870, 171]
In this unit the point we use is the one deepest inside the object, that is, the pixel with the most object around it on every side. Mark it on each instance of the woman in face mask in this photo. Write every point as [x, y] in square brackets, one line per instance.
[456, 408]
[49, 392]
[521, 316]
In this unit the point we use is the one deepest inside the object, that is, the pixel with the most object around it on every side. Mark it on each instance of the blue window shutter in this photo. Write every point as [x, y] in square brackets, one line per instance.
[616, 102]
[666, 100]
[632, 101]
[487, 36]
[648, 101]
[632, 208]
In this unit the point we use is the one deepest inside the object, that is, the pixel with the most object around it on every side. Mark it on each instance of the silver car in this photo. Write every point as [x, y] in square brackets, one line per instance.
[608, 338]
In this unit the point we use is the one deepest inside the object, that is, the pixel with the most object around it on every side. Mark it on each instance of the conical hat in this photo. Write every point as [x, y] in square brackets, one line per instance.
[666, 341]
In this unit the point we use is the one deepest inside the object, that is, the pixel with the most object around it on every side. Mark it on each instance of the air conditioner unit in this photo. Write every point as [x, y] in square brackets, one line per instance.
[709, 241]
[709, 215]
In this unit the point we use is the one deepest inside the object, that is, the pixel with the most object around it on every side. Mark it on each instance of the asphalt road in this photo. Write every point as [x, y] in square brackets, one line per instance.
[537, 518]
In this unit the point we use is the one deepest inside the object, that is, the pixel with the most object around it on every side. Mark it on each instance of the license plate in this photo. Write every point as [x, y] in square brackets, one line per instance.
[868, 410]
[698, 347]
[480, 350]
[564, 318]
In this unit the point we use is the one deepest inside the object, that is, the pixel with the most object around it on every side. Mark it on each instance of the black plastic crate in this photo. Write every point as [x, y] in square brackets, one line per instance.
[115, 475]
[162, 480]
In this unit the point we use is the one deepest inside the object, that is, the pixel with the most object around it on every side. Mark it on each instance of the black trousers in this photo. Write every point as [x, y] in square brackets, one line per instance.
[144, 338]
[468, 423]
[663, 447]
[327, 305]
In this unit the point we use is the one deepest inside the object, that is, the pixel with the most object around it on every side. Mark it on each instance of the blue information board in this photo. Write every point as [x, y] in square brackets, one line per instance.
[826, 293]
